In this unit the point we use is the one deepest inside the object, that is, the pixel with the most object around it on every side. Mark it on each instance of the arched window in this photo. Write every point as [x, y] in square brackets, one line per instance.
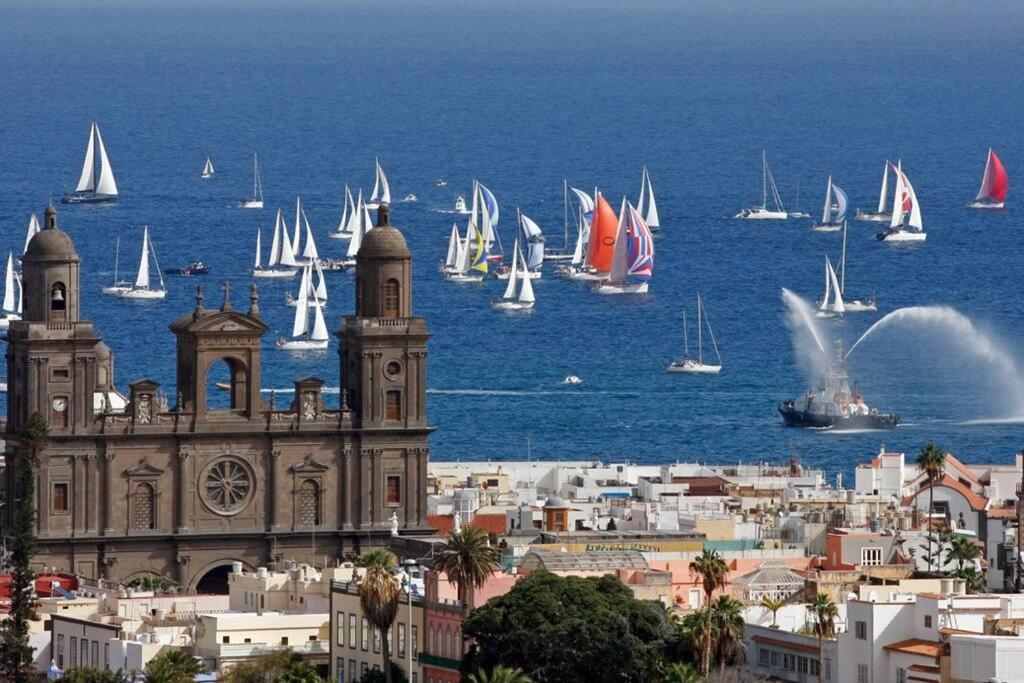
[392, 291]
[143, 507]
[309, 503]
[58, 300]
[448, 650]
[437, 643]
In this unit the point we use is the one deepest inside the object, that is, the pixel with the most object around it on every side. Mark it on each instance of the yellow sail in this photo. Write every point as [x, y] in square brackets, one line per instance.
[480, 256]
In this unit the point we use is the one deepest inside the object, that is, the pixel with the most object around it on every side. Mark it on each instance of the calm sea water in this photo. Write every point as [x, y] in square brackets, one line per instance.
[522, 96]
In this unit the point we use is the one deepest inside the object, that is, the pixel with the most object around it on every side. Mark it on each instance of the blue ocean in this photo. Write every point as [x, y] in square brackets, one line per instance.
[522, 95]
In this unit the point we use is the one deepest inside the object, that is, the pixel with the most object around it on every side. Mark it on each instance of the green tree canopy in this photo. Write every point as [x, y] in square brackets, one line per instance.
[171, 666]
[570, 629]
[86, 674]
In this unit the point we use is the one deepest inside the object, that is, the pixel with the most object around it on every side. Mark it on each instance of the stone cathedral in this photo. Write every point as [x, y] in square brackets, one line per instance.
[129, 485]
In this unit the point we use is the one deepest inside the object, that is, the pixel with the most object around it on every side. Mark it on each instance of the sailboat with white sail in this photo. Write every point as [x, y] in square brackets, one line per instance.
[381, 189]
[281, 259]
[798, 212]
[563, 254]
[853, 304]
[94, 185]
[646, 205]
[33, 228]
[697, 366]
[12, 308]
[455, 247]
[831, 305]
[348, 218]
[992, 194]
[520, 278]
[255, 200]
[633, 259]
[833, 215]
[207, 169]
[314, 293]
[471, 258]
[905, 225]
[534, 238]
[142, 288]
[361, 226]
[304, 338]
[119, 286]
[308, 250]
[768, 187]
[881, 215]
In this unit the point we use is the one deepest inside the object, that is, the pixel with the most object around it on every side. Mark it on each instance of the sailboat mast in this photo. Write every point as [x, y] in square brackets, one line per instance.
[700, 338]
[764, 179]
[686, 342]
[565, 212]
[842, 264]
[117, 254]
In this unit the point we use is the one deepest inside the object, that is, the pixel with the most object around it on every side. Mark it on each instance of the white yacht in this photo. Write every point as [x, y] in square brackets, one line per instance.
[12, 301]
[142, 288]
[881, 215]
[460, 205]
[207, 170]
[254, 201]
[119, 286]
[381, 189]
[906, 225]
[777, 212]
[94, 186]
[303, 338]
[697, 366]
[510, 301]
[281, 261]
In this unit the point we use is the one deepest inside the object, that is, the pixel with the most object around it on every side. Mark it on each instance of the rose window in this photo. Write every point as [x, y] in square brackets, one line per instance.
[227, 486]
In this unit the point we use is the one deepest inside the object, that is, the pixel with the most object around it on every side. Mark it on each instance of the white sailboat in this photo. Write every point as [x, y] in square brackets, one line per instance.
[833, 215]
[881, 215]
[316, 292]
[905, 225]
[12, 301]
[33, 228]
[142, 289]
[698, 366]
[303, 338]
[853, 304]
[510, 301]
[763, 212]
[308, 250]
[255, 201]
[646, 201]
[992, 194]
[362, 226]
[381, 189]
[207, 170]
[119, 286]
[348, 218]
[831, 305]
[280, 261]
[470, 258]
[534, 238]
[455, 247]
[633, 258]
[94, 186]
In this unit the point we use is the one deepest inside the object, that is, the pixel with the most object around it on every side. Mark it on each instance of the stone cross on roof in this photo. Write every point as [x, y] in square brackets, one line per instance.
[226, 288]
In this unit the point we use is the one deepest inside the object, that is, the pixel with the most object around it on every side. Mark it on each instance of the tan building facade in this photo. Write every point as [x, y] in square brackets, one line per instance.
[139, 484]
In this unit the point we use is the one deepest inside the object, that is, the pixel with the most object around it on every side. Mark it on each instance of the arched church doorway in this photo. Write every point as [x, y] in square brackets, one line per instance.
[215, 581]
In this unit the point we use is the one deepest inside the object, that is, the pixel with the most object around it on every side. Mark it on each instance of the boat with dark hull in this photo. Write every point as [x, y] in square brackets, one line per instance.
[835, 406]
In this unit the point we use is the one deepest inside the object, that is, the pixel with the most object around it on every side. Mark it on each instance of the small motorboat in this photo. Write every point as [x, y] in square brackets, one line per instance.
[440, 182]
[223, 386]
[572, 379]
[409, 198]
[460, 205]
[194, 268]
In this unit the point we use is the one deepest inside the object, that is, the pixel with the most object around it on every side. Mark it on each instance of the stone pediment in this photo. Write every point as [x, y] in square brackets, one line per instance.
[215, 322]
[309, 466]
[143, 469]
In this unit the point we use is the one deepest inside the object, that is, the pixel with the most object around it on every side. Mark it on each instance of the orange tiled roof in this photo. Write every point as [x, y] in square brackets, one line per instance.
[946, 631]
[442, 524]
[1002, 512]
[491, 523]
[934, 596]
[959, 466]
[976, 501]
[925, 669]
[801, 647]
[917, 646]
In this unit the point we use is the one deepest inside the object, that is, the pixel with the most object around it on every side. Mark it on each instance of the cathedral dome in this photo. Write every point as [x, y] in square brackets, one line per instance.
[384, 241]
[51, 243]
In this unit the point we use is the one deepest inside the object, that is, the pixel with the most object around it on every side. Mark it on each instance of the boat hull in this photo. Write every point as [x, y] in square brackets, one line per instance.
[622, 288]
[898, 235]
[534, 275]
[118, 289]
[798, 214]
[310, 303]
[860, 306]
[142, 294]
[301, 345]
[761, 215]
[274, 273]
[872, 217]
[340, 235]
[694, 368]
[463, 277]
[511, 305]
[556, 256]
[797, 418]
[827, 227]
[250, 204]
[984, 205]
[205, 176]
[582, 275]
[87, 198]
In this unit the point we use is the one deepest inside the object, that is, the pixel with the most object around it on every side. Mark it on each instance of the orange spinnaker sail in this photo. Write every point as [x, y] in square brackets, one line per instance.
[603, 229]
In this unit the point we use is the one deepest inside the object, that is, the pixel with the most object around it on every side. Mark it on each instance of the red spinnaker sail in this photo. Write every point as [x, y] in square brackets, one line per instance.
[603, 230]
[998, 183]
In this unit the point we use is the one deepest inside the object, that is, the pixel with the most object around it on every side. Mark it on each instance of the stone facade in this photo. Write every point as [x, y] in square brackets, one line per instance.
[129, 485]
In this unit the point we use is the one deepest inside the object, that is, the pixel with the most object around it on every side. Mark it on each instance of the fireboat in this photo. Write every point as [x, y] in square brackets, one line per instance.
[835, 406]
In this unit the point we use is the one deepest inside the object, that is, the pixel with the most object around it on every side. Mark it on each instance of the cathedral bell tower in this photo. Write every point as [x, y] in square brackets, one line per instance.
[383, 350]
[51, 352]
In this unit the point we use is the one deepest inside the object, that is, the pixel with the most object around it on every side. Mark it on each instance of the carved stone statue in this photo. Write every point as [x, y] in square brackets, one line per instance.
[144, 414]
[394, 523]
[457, 523]
[308, 405]
[595, 520]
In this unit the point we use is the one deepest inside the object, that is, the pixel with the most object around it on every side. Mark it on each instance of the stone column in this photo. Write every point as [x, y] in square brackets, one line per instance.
[92, 493]
[33, 387]
[41, 467]
[366, 487]
[77, 495]
[421, 486]
[184, 476]
[347, 489]
[411, 467]
[274, 481]
[108, 494]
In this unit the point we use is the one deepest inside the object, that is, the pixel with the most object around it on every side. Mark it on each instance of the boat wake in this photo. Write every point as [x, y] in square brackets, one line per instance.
[1019, 419]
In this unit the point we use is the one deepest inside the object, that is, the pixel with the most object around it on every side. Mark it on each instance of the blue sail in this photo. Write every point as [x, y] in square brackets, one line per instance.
[841, 202]
[492, 204]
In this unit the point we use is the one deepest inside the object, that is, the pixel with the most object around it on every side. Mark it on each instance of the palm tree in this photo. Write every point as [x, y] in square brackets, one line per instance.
[825, 613]
[961, 550]
[377, 557]
[468, 559]
[681, 672]
[930, 460]
[727, 616]
[172, 666]
[713, 572]
[499, 674]
[378, 598]
[773, 606]
[698, 630]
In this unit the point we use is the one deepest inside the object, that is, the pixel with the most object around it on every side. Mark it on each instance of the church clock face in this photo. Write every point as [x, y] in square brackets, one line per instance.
[60, 404]
[226, 486]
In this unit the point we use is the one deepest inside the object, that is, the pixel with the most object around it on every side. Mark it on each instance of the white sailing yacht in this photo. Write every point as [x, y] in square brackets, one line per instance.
[207, 170]
[313, 293]
[563, 254]
[348, 218]
[831, 305]
[308, 250]
[646, 201]
[534, 238]
[763, 212]
[470, 258]
[698, 366]
[119, 286]
[518, 277]
[362, 225]
[33, 228]
[455, 247]
[381, 189]
[833, 215]
[303, 338]
[281, 260]
[881, 215]
[633, 257]
[255, 201]
[94, 187]
[853, 304]
[141, 289]
[12, 302]
[992, 194]
[905, 225]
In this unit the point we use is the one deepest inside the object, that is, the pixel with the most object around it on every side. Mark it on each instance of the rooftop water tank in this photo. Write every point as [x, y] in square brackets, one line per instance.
[236, 567]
